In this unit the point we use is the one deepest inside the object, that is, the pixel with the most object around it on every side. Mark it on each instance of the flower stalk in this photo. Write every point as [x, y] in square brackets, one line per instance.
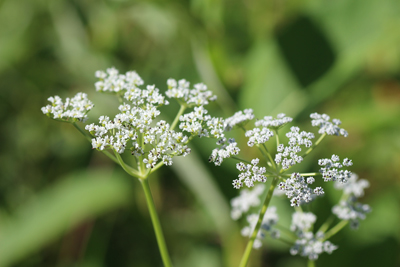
[156, 223]
[249, 247]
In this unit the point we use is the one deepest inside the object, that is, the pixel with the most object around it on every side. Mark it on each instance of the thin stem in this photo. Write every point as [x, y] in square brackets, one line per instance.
[334, 230]
[265, 156]
[249, 247]
[242, 160]
[310, 263]
[310, 174]
[314, 145]
[286, 231]
[85, 134]
[141, 165]
[120, 99]
[176, 120]
[157, 166]
[269, 156]
[287, 242]
[89, 138]
[277, 138]
[156, 224]
[326, 224]
[126, 168]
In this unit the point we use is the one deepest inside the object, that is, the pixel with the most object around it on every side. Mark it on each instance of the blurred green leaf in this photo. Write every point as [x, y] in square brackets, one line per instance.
[270, 87]
[12, 32]
[195, 176]
[77, 197]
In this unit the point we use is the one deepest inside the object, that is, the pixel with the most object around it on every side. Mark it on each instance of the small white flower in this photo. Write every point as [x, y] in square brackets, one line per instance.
[74, 109]
[325, 126]
[272, 123]
[239, 118]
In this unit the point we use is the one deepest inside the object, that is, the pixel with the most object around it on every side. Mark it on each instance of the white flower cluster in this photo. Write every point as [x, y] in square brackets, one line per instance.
[308, 244]
[302, 221]
[350, 209]
[311, 246]
[124, 129]
[198, 123]
[228, 148]
[250, 173]
[325, 126]
[297, 190]
[272, 123]
[239, 118]
[151, 95]
[287, 155]
[258, 136]
[134, 125]
[197, 96]
[246, 199]
[112, 81]
[353, 186]
[330, 170]
[74, 109]
[269, 220]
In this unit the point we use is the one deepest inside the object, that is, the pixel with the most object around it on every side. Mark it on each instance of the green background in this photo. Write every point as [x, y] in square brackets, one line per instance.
[63, 204]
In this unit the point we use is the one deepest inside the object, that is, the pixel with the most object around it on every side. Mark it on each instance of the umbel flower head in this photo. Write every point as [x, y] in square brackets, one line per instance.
[298, 187]
[73, 109]
[136, 127]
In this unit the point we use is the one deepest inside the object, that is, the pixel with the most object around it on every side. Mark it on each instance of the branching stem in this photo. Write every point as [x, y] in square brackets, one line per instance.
[249, 247]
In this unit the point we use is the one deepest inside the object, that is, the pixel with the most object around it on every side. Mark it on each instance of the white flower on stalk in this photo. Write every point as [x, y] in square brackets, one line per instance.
[238, 119]
[112, 81]
[353, 186]
[272, 123]
[350, 209]
[297, 189]
[258, 136]
[135, 127]
[326, 126]
[246, 199]
[228, 148]
[302, 221]
[288, 156]
[311, 246]
[330, 169]
[269, 220]
[198, 96]
[73, 109]
[250, 173]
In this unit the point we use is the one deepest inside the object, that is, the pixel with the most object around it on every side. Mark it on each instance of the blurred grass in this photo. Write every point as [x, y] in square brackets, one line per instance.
[340, 57]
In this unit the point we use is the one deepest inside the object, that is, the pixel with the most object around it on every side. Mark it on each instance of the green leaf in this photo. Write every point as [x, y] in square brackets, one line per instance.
[76, 197]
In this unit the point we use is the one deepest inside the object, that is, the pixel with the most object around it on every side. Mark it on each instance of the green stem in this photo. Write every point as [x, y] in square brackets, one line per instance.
[287, 232]
[242, 160]
[287, 242]
[141, 165]
[310, 174]
[85, 134]
[314, 145]
[310, 263]
[126, 168]
[157, 166]
[156, 224]
[277, 138]
[334, 230]
[249, 247]
[105, 152]
[176, 120]
[326, 224]
[270, 157]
